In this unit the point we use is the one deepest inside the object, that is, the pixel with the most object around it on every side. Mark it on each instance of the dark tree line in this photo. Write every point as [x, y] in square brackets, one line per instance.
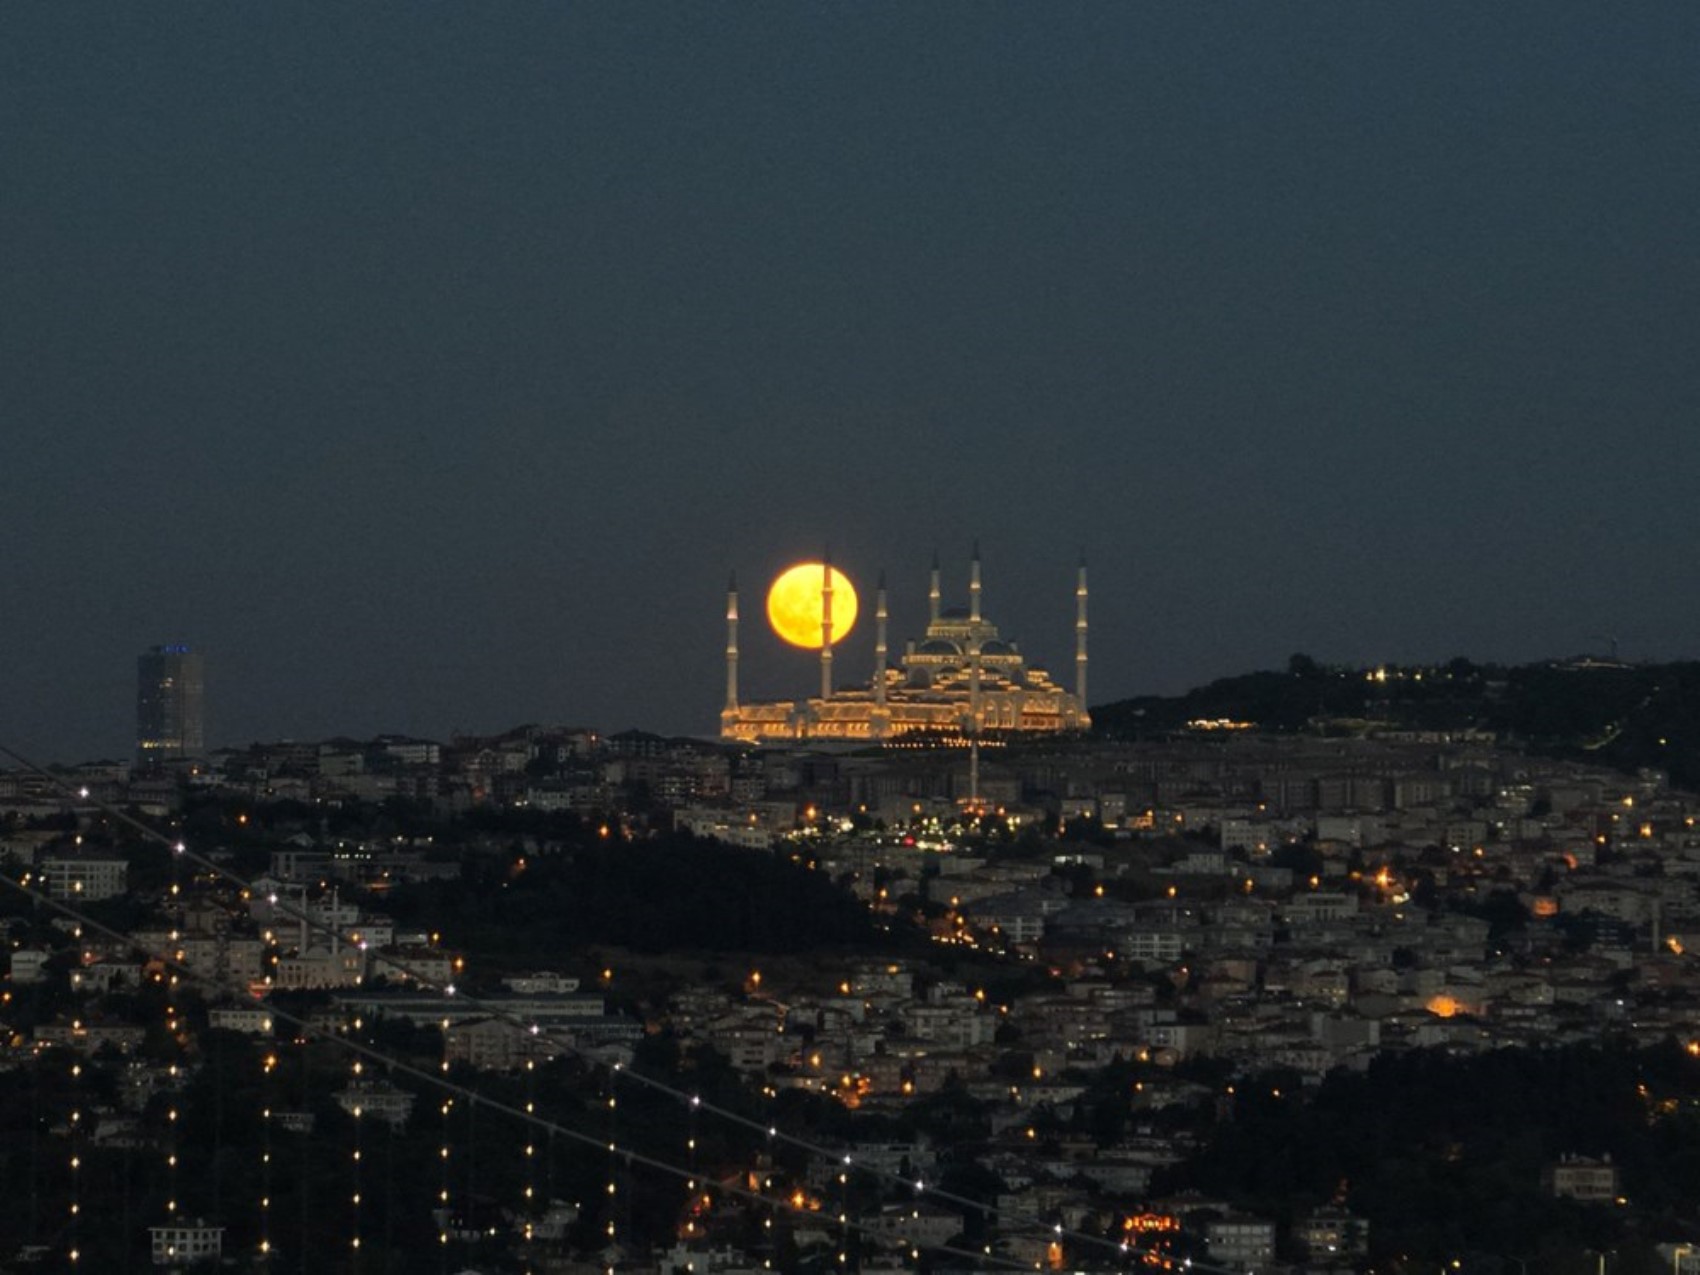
[1633, 716]
[1444, 1155]
[671, 893]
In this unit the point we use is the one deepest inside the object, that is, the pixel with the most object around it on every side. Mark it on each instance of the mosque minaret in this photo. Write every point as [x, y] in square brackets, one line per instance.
[732, 645]
[1080, 633]
[826, 627]
[880, 616]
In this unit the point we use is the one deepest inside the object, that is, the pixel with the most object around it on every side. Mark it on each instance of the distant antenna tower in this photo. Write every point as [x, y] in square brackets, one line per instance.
[1612, 643]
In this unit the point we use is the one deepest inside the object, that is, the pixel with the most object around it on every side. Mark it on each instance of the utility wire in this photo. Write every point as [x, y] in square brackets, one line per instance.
[180, 848]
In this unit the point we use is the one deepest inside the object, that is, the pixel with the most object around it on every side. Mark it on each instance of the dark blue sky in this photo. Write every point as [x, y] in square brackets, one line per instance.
[428, 365]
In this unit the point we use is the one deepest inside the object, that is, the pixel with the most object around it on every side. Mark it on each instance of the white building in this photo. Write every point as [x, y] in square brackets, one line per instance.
[428, 965]
[180, 1243]
[1579, 1177]
[83, 876]
[543, 981]
[248, 1019]
[1319, 906]
[495, 1044]
[376, 1101]
[321, 967]
[1245, 1242]
[1333, 1232]
[1151, 945]
[1248, 836]
[919, 1225]
[29, 964]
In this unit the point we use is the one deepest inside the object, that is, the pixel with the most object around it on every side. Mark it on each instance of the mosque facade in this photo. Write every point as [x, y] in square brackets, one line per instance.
[960, 681]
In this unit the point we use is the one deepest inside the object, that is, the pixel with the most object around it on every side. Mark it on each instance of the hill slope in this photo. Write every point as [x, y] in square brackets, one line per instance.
[1627, 716]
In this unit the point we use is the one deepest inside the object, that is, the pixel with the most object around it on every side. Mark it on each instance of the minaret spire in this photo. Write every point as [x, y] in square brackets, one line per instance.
[935, 598]
[826, 625]
[974, 585]
[1080, 634]
[974, 694]
[974, 678]
[879, 642]
[732, 644]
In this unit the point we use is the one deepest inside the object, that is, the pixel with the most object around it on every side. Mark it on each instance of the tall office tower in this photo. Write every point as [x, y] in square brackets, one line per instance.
[168, 704]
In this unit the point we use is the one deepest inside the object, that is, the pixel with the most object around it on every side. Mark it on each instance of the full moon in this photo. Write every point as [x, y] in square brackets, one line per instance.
[794, 604]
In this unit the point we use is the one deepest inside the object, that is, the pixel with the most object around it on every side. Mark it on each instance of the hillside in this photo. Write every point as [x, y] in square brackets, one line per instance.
[1622, 715]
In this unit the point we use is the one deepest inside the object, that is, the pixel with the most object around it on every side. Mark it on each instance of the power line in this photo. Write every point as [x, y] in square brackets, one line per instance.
[625, 1154]
[181, 850]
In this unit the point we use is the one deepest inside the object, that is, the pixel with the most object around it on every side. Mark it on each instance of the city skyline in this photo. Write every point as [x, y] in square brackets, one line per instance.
[175, 729]
[431, 371]
[1501, 938]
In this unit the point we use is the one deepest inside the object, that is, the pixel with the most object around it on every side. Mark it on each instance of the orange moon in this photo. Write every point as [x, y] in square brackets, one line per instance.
[794, 604]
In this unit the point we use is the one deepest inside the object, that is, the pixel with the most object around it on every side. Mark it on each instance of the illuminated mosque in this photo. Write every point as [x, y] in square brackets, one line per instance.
[962, 679]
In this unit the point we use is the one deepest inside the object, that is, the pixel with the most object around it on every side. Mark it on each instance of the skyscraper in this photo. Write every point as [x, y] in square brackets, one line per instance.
[168, 704]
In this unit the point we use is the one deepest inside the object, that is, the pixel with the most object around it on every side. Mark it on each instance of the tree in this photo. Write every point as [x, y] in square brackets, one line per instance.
[1301, 665]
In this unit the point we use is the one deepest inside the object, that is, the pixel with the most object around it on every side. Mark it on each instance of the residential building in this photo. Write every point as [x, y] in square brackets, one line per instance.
[1579, 1177]
[182, 1243]
[83, 876]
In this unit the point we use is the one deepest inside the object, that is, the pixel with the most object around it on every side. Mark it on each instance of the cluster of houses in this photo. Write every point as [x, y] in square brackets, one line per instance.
[1272, 902]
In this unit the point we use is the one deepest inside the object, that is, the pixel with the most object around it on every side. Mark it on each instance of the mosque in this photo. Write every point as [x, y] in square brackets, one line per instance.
[960, 681]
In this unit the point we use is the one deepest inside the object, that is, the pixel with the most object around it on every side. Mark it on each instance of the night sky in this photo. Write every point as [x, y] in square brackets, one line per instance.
[429, 366]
